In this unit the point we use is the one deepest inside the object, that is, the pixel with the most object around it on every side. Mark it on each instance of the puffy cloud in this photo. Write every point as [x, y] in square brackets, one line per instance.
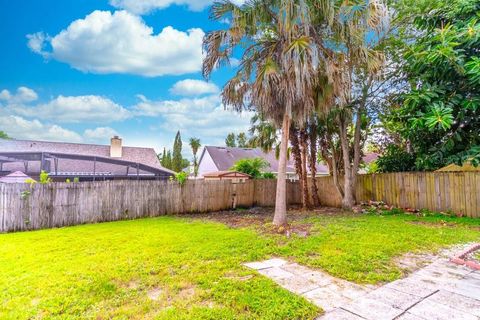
[22, 95]
[203, 117]
[121, 42]
[74, 109]
[191, 87]
[21, 128]
[101, 134]
[36, 43]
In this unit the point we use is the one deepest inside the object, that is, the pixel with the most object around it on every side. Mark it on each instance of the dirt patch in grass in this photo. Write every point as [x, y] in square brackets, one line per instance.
[260, 218]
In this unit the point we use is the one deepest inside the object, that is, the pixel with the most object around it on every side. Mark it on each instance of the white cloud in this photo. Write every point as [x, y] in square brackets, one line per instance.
[74, 109]
[36, 43]
[21, 128]
[191, 87]
[22, 95]
[102, 134]
[122, 43]
[203, 117]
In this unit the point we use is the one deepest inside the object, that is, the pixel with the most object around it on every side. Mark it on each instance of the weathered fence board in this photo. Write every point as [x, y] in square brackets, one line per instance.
[65, 204]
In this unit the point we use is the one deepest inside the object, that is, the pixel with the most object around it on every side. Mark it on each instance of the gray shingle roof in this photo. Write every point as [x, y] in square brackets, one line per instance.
[225, 158]
[146, 156]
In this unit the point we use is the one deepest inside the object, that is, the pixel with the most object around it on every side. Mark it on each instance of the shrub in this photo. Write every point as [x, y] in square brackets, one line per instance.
[181, 177]
[268, 175]
[251, 166]
[44, 178]
[395, 159]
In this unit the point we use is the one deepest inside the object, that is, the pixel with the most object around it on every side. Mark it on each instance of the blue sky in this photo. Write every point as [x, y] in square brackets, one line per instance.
[82, 71]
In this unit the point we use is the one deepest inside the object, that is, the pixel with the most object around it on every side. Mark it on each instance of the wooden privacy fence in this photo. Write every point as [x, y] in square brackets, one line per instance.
[65, 204]
[458, 192]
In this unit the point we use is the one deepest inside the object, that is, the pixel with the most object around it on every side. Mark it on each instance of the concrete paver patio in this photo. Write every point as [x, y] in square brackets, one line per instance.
[441, 290]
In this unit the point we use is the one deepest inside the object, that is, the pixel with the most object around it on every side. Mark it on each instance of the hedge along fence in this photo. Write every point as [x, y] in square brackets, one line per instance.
[65, 204]
[458, 192]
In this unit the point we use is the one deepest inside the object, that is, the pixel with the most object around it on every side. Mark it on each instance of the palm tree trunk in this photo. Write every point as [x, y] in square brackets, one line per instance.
[304, 181]
[348, 190]
[297, 159]
[313, 164]
[280, 217]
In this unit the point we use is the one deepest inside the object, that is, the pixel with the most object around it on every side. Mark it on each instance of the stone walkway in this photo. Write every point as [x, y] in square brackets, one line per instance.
[441, 290]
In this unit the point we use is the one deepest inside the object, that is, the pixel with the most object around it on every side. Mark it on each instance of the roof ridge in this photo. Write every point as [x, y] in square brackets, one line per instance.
[74, 143]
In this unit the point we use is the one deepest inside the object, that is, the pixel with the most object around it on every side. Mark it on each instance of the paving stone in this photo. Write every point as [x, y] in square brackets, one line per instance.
[326, 298]
[277, 273]
[348, 289]
[413, 286]
[464, 287]
[457, 301]
[394, 298]
[297, 284]
[339, 314]
[318, 277]
[430, 310]
[408, 316]
[275, 262]
[372, 309]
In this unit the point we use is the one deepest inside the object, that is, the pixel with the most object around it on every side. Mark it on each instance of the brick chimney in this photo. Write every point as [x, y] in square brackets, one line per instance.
[116, 147]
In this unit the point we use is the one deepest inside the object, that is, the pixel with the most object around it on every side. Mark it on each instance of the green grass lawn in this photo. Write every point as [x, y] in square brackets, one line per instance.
[183, 268]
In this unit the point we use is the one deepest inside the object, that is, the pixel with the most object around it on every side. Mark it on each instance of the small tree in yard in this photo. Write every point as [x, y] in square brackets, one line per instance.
[195, 145]
[251, 166]
[177, 160]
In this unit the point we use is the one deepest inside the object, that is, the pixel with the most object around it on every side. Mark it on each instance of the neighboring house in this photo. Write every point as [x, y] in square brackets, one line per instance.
[235, 176]
[88, 162]
[16, 177]
[215, 159]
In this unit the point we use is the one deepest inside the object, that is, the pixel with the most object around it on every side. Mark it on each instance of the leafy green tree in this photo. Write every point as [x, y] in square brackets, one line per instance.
[251, 166]
[195, 145]
[177, 159]
[395, 159]
[242, 141]
[263, 134]
[231, 140]
[168, 160]
[439, 116]
[4, 135]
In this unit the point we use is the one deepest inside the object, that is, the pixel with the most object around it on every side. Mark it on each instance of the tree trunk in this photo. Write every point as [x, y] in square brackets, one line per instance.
[280, 217]
[313, 164]
[297, 159]
[304, 181]
[348, 189]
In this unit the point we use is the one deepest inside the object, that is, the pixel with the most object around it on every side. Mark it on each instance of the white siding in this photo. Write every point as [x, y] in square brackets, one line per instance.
[206, 165]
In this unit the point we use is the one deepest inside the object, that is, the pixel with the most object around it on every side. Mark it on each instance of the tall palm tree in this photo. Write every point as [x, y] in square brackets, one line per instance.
[195, 145]
[278, 68]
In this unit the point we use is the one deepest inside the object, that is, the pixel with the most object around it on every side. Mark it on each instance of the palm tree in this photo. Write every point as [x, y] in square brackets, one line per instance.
[278, 69]
[263, 134]
[195, 145]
